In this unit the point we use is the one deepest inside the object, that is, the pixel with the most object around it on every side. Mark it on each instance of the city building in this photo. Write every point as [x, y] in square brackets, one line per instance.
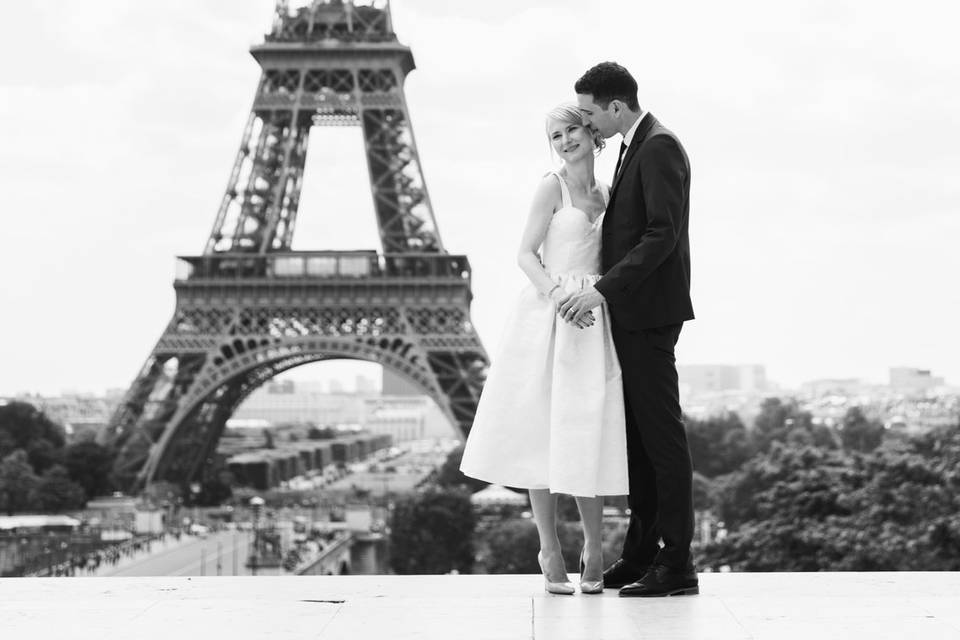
[295, 401]
[835, 386]
[912, 380]
[394, 384]
[266, 468]
[365, 385]
[404, 416]
[699, 379]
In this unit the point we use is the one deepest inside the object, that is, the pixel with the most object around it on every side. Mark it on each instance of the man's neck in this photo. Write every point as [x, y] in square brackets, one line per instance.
[628, 121]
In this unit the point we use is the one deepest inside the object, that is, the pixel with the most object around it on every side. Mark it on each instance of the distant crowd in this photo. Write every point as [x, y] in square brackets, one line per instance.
[89, 562]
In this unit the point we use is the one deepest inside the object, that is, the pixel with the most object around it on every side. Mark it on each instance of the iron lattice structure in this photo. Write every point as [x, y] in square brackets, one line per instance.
[250, 307]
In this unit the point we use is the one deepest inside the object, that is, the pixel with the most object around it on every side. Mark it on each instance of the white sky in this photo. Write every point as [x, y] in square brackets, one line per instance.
[823, 136]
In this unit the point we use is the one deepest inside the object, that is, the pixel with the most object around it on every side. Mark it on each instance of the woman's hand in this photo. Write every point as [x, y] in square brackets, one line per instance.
[575, 308]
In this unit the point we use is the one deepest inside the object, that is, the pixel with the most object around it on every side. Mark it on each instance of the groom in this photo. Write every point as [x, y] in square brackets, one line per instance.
[646, 284]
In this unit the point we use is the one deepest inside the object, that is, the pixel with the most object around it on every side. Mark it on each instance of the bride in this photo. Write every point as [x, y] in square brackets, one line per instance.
[551, 416]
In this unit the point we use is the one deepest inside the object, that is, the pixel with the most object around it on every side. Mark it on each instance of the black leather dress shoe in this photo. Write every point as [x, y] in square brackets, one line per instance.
[662, 580]
[621, 573]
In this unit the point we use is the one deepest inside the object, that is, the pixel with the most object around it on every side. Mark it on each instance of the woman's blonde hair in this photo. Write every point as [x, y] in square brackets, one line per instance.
[569, 112]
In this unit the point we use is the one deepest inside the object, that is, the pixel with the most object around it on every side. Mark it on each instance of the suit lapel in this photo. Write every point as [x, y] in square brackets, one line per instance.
[642, 130]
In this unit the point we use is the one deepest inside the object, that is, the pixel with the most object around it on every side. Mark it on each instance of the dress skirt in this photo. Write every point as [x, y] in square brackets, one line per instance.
[551, 415]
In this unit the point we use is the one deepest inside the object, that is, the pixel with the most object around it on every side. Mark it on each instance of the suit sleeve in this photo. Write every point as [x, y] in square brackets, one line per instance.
[663, 173]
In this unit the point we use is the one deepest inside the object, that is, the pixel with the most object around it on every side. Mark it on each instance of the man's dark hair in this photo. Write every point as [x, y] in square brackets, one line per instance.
[609, 81]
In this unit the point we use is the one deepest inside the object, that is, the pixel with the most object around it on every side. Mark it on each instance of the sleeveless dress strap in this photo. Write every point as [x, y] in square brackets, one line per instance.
[605, 193]
[564, 192]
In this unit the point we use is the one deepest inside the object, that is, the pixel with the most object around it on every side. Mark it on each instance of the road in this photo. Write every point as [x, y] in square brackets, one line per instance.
[194, 558]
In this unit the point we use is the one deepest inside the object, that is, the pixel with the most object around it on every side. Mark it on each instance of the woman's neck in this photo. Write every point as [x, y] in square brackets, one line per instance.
[580, 174]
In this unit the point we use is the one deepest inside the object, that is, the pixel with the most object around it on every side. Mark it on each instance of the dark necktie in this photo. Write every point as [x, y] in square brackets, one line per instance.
[623, 149]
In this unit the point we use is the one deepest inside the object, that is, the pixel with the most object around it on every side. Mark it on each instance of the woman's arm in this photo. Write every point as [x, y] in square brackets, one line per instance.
[538, 220]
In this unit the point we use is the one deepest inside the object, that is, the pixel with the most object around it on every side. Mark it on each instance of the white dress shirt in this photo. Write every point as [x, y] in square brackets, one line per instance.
[628, 136]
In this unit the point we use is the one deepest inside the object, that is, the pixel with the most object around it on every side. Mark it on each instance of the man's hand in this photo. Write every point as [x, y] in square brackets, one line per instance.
[576, 308]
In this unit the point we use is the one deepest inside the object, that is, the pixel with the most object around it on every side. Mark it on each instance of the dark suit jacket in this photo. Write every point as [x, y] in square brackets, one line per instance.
[645, 251]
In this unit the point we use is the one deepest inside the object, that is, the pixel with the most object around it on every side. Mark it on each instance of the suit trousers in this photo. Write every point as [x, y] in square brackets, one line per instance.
[660, 467]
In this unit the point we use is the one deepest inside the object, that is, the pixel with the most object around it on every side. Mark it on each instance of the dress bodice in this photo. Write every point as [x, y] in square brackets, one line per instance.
[572, 242]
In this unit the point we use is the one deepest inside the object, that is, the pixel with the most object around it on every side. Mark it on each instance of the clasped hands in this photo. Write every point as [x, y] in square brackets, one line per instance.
[575, 308]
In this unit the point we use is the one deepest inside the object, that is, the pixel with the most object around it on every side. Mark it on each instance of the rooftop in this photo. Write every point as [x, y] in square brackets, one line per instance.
[819, 606]
[34, 521]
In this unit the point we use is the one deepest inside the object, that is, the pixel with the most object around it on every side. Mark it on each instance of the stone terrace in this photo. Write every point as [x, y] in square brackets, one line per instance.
[812, 606]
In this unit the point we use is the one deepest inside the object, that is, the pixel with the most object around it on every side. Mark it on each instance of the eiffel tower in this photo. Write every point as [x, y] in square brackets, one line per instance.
[250, 307]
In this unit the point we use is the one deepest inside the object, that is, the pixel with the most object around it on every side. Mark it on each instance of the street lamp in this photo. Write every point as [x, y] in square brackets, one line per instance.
[256, 505]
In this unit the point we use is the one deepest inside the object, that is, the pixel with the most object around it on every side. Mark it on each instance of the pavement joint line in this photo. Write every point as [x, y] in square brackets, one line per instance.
[145, 609]
[330, 621]
[533, 618]
[735, 618]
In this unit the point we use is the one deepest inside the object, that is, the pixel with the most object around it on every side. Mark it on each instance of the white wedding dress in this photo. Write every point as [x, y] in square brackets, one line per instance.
[551, 415]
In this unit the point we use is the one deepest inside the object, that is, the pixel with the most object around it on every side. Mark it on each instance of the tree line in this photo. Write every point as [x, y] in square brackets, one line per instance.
[39, 471]
[800, 496]
[791, 493]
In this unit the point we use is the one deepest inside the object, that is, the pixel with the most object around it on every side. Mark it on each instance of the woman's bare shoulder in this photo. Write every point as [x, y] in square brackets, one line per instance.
[548, 190]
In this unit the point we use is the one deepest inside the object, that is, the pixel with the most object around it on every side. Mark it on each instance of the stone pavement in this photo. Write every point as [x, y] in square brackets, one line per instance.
[812, 606]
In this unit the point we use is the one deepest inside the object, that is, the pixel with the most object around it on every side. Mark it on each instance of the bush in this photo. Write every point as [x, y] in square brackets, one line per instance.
[431, 532]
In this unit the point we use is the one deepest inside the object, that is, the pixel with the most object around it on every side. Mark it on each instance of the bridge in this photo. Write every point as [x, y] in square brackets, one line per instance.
[333, 560]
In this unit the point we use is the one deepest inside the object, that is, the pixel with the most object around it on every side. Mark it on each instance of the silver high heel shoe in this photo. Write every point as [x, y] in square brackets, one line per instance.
[563, 588]
[589, 586]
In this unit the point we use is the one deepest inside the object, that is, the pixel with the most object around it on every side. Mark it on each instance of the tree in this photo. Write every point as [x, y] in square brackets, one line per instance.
[216, 487]
[703, 492]
[613, 539]
[449, 474]
[90, 465]
[55, 491]
[754, 492]
[770, 423]
[858, 433]
[22, 425]
[513, 544]
[567, 509]
[719, 444]
[431, 532]
[17, 482]
[43, 454]
[786, 423]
